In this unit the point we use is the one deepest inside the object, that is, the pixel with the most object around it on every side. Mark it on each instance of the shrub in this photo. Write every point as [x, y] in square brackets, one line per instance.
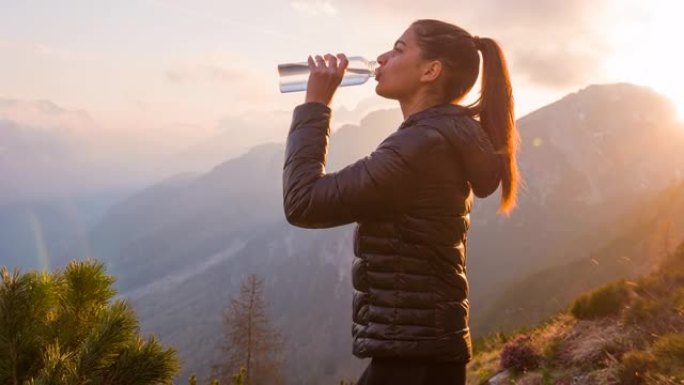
[552, 349]
[634, 366]
[488, 343]
[669, 353]
[66, 328]
[483, 375]
[643, 310]
[606, 301]
[661, 379]
[674, 263]
[520, 355]
[663, 363]
[678, 300]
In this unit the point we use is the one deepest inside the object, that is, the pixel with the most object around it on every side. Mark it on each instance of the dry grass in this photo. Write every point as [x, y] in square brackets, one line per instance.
[483, 367]
[550, 338]
[532, 378]
[650, 323]
[593, 344]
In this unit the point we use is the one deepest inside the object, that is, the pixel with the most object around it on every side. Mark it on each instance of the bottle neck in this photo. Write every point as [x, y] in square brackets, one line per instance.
[361, 64]
[372, 67]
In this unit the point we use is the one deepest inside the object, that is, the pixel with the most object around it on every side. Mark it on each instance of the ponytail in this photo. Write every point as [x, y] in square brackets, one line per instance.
[458, 50]
[495, 109]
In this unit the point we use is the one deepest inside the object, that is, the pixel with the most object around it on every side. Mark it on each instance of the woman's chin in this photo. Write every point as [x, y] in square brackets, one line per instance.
[380, 92]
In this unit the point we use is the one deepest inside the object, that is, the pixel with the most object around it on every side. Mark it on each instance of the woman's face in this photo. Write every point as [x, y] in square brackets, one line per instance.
[400, 70]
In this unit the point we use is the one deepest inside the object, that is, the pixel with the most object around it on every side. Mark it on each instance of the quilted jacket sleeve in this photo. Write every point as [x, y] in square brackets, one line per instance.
[370, 187]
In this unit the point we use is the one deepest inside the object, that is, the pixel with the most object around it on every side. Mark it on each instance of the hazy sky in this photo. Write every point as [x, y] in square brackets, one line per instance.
[180, 66]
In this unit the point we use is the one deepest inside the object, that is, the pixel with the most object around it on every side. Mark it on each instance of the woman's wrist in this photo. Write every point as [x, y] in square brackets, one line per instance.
[315, 104]
[316, 99]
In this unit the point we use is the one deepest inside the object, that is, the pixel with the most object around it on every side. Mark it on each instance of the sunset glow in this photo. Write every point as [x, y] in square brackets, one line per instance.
[646, 50]
[496, 187]
[178, 69]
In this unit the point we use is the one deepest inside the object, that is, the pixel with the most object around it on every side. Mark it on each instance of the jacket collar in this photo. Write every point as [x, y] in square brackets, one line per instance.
[434, 111]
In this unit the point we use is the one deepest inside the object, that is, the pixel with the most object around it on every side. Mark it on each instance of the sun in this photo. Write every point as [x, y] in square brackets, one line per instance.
[645, 49]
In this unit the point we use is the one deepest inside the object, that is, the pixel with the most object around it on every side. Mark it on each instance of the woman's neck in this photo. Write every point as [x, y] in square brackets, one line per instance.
[418, 102]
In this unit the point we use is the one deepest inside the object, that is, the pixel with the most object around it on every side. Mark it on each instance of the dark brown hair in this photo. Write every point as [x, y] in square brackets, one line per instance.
[458, 52]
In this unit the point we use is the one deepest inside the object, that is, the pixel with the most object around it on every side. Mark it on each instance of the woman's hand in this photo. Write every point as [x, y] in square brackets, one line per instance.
[326, 75]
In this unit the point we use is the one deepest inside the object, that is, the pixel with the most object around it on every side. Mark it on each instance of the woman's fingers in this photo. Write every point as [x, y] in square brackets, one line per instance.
[343, 62]
[320, 62]
[332, 62]
[326, 75]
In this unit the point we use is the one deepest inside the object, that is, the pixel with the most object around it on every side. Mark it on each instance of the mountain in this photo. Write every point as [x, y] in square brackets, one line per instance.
[308, 300]
[184, 220]
[234, 137]
[46, 233]
[585, 160]
[48, 152]
[190, 217]
[621, 332]
[180, 248]
[237, 134]
[60, 171]
[37, 141]
[176, 242]
[647, 234]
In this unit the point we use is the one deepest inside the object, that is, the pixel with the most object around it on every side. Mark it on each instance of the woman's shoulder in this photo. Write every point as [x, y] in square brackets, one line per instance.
[416, 136]
[439, 113]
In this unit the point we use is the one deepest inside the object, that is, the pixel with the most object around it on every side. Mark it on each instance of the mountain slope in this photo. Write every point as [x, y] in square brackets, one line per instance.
[183, 251]
[585, 160]
[179, 222]
[647, 233]
[624, 332]
[309, 300]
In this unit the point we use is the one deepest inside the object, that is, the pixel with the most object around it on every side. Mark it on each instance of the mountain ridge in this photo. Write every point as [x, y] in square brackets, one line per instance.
[240, 200]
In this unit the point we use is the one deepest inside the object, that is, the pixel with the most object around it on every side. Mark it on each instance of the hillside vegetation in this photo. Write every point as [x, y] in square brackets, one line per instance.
[627, 332]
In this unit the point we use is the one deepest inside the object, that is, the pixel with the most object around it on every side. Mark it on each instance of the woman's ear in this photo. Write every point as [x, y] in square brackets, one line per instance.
[431, 71]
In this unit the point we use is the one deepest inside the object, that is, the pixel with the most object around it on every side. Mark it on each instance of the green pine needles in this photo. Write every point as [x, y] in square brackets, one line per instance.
[65, 328]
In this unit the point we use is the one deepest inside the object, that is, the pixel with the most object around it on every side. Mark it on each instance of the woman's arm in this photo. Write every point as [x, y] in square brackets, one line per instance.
[369, 188]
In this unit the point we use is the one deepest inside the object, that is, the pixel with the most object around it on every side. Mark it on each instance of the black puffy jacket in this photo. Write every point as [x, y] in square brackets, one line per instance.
[411, 198]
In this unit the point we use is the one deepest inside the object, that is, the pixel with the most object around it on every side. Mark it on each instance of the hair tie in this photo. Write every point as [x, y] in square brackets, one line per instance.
[477, 41]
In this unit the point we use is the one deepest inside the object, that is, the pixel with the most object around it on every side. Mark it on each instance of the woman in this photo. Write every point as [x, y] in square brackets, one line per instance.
[411, 197]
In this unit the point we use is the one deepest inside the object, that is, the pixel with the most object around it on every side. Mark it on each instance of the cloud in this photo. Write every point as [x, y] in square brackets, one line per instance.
[553, 44]
[38, 140]
[175, 76]
[45, 116]
[210, 67]
[44, 50]
[314, 8]
[559, 64]
[206, 72]
[48, 151]
[227, 76]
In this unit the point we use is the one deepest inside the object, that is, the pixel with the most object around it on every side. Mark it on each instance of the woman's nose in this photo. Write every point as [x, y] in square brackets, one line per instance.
[381, 59]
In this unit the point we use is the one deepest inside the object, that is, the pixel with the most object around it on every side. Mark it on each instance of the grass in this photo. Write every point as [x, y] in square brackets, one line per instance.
[622, 333]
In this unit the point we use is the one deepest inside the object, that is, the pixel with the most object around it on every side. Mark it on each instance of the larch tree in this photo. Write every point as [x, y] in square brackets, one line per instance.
[252, 347]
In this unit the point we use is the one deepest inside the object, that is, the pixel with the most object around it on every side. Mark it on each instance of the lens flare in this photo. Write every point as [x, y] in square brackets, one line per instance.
[39, 242]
